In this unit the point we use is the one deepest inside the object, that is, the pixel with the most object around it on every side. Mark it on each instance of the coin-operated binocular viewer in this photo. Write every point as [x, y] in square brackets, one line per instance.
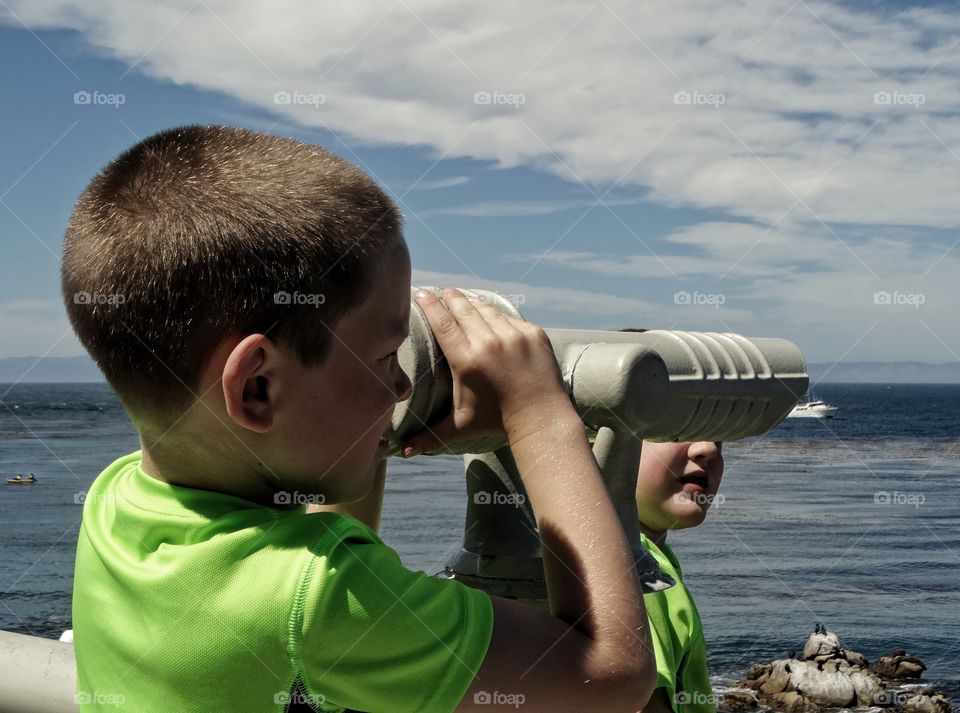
[627, 386]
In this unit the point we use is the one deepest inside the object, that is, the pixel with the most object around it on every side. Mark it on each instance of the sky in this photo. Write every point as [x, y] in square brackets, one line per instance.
[777, 169]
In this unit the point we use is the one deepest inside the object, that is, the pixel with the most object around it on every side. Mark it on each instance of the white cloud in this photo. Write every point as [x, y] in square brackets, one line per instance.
[711, 249]
[588, 309]
[441, 183]
[552, 299]
[505, 209]
[828, 134]
[598, 86]
[657, 265]
[890, 299]
[511, 209]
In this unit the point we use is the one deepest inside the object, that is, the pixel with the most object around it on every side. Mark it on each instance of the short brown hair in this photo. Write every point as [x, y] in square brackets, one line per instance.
[197, 233]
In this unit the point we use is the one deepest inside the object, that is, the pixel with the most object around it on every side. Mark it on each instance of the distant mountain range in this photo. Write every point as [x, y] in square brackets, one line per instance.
[82, 369]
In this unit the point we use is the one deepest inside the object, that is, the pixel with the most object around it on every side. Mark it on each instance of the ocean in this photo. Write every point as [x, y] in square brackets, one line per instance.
[853, 522]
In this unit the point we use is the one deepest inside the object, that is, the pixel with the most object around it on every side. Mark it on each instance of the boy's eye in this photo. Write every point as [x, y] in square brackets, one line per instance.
[391, 354]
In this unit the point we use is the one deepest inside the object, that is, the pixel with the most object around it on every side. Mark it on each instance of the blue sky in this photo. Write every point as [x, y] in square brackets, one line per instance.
[790, 167]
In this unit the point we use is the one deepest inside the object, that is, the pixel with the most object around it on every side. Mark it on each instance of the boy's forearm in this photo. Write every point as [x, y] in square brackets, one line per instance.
[587, 560]
[367, 509]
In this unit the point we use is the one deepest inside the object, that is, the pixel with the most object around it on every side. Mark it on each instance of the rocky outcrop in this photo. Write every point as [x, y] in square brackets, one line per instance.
[899, 664]
[925, 700]
[835, 683]
[791, 702]
[831, 676]
[738, 701]
[821, 645]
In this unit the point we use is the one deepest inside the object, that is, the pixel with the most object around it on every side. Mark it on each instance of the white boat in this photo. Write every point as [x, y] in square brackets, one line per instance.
[812, 409]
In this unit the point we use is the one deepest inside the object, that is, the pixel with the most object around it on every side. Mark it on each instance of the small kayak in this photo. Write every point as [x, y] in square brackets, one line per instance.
[17, 480]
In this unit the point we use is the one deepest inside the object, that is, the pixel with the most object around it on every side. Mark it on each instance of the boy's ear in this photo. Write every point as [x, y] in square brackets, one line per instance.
[248, 383]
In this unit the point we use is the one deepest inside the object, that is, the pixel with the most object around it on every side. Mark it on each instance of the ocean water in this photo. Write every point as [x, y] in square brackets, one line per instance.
[853, 522]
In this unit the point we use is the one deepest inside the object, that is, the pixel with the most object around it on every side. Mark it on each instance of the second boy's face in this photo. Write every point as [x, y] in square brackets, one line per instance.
[677, 483]
[346, 403]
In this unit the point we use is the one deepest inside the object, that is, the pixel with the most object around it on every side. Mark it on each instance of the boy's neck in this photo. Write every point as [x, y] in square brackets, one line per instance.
[201, 473]
[655, 536]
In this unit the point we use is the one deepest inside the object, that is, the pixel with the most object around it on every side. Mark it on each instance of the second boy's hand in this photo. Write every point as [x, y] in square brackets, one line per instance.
[595, 649]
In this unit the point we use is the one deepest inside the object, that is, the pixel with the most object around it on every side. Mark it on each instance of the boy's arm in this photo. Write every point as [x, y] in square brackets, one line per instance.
[367, 509]
[593, 651]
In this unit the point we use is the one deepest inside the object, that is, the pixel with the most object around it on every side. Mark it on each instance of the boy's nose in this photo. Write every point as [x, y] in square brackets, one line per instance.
[703, 451]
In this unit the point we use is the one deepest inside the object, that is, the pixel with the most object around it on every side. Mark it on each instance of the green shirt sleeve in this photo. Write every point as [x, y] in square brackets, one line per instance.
[698, 696]
[372, 635]
[664, 646]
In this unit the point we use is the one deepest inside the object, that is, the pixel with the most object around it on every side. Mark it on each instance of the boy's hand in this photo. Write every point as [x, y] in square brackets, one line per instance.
[593, 650]
[502, 367]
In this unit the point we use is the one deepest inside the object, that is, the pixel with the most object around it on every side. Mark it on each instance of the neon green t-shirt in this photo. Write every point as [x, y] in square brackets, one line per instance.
[678, 641]
[191, 600]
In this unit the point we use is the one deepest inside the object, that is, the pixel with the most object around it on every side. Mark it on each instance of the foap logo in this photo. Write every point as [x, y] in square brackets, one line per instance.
[296, 98]
[696, 698]
[886, 699]
[285, 497]
[299, 698]
[314, 299]
[498, 698]
[82, 496]
[710, 299]
[483, 497]
[897, 298]
[695, 98]
[702, 499]
[499, 98]
[99, 298]
[883, 497]
[95, 98]
[516, 299]
[99, 698]
[896, 98]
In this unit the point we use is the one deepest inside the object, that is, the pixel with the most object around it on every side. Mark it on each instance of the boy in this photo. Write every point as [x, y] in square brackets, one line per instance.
[245, 296]
[676, 484]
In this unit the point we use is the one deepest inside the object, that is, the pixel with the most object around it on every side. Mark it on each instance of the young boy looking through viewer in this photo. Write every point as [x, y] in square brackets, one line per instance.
[198, 586]
[676, 484]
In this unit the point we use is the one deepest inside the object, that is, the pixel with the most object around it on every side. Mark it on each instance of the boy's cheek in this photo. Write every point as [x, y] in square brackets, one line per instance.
[656, 510]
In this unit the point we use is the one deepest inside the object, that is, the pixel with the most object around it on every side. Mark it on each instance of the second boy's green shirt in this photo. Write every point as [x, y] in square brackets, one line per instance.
[678, 639]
